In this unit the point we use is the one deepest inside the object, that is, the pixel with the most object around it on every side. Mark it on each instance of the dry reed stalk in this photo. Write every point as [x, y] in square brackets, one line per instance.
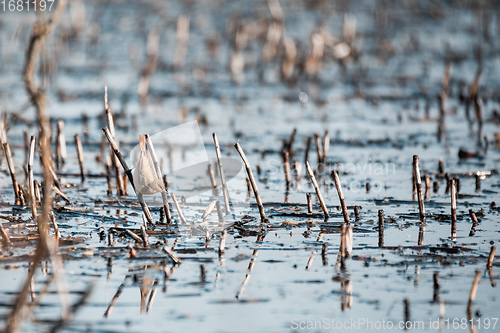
[108, 177]
[222, 243]
[288, 176]
[178, 207]
[212, 179]
[182, 40]
[156, 165]
[152, 296]
[144, 235]
[421, 233]
[298, 172]
[474, 222]
[225, 192]
[427, 181]
[309, 203]
[173, 257]
[472, 294]
[290, 142]
[319, 152]
[441, 167]
[61, 151]
[248, 168]
[324, 250]
[115, 297]
[342, 249]
[79, 153]
[316, 188]
[308, 146]
[209, 209]
[326, 146]
[357, 215]
[203, 273]
[19, 198]
[310, 261]
[418, 182]
[219, 212]
[338, 185]
[59, 193]
[453, 209]
[57, 233]
[489, 264]
[435, 279]
[381, 228]
[128, 171]
[406, 303]
[31, 185]
[133, 236]
[5, 237]
[114, 159]
[250, 269]
[150, 65]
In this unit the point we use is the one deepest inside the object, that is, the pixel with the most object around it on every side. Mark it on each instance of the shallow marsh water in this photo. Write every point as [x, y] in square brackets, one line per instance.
[374, 110]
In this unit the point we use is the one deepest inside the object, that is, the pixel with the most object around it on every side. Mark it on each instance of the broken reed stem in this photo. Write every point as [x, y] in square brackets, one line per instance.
[489, 264]
[309, 203]
[310, 261]
[219, 212]
[178, 207]
[435, 279]
[156, 165]
[324, 250]
[4, 235]
[290, 142]
[203, 273]
[357, 215]
[406, 303]
[111, 127]
[418, 183]
[212, 179]
[319, 152]
[472, 294]
[427, 181]
[338, 185]
[222, 243]
[252, 182]
[380, 228]
[57, 233]
[288, 176]
[209, 209]
[144, 235]
[79, 152]
[225, 192]
[343, 245]
[453, 209]
[128, 172]
[326, 146]
[173, 257]
[60, 145]
[474, 223]
[19, 198]
[308, 146]
[31, 184]
[316, 188]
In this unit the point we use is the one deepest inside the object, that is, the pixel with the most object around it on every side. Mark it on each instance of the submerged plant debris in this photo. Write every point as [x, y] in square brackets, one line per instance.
[250, 166]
